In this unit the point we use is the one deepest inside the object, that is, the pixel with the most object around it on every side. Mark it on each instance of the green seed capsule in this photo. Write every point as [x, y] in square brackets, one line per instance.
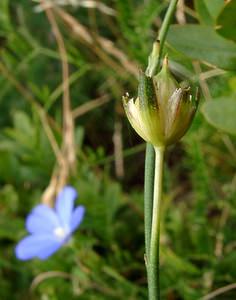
[163, 111]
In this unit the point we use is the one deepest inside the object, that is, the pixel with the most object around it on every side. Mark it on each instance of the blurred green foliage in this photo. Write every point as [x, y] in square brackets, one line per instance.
[105, 258]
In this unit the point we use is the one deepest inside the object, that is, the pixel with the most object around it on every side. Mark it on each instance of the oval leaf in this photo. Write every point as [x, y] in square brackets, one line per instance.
[214, 7]
[226, 21]
[221, 114]
[203, 43]
[203, 12]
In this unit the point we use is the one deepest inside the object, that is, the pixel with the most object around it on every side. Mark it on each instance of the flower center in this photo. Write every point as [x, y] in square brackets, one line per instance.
[60, 232]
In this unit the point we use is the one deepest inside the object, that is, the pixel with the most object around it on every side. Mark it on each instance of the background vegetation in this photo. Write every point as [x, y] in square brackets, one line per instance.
[106, 43]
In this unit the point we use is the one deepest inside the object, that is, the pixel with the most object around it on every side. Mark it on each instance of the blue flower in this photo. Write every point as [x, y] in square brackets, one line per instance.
[50, 228]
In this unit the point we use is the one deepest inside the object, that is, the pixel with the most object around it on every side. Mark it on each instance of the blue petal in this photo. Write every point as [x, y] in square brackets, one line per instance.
[42, 219]
[49, 250]
[77, 217]
[64, 205]
[36, 245]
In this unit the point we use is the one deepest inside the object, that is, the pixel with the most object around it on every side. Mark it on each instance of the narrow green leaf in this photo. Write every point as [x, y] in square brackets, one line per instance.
[221, 114]
[203, 43]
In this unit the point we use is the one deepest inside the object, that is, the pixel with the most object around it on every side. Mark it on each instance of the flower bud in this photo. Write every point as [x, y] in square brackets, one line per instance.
[163, 110]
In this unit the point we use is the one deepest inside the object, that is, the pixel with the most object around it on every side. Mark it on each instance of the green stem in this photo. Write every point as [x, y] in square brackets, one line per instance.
[157, 51]
[148, 194]
[165, 27]
[153, 262]
[153, 67]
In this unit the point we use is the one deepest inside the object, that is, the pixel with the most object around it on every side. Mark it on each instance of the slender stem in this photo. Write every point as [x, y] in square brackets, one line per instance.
[152, 251]
[154, 64]
[148, 194]
[157, 51]
[153, 263]
[165, 27]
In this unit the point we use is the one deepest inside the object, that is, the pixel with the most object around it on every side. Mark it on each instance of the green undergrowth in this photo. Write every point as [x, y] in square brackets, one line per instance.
[105, 258]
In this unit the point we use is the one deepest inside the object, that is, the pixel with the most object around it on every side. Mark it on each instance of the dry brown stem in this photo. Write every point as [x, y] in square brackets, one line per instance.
[67, 165]
[100, 46]
[88, 106]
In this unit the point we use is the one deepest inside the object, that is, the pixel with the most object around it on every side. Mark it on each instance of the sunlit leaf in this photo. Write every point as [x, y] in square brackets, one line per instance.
[221, 114]
[203, 43]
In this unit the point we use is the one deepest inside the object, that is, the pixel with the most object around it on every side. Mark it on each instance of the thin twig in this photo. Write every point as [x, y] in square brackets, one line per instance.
[211, 73]
[192, 13]
[219, 291]
[105, 45]
[88, 106]
[180, 13]
[43, 276]
[61, 173]
[219, 236]
[118, 149]
[103, 8]
[68, 124]
[202, 82]
[49, 193]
